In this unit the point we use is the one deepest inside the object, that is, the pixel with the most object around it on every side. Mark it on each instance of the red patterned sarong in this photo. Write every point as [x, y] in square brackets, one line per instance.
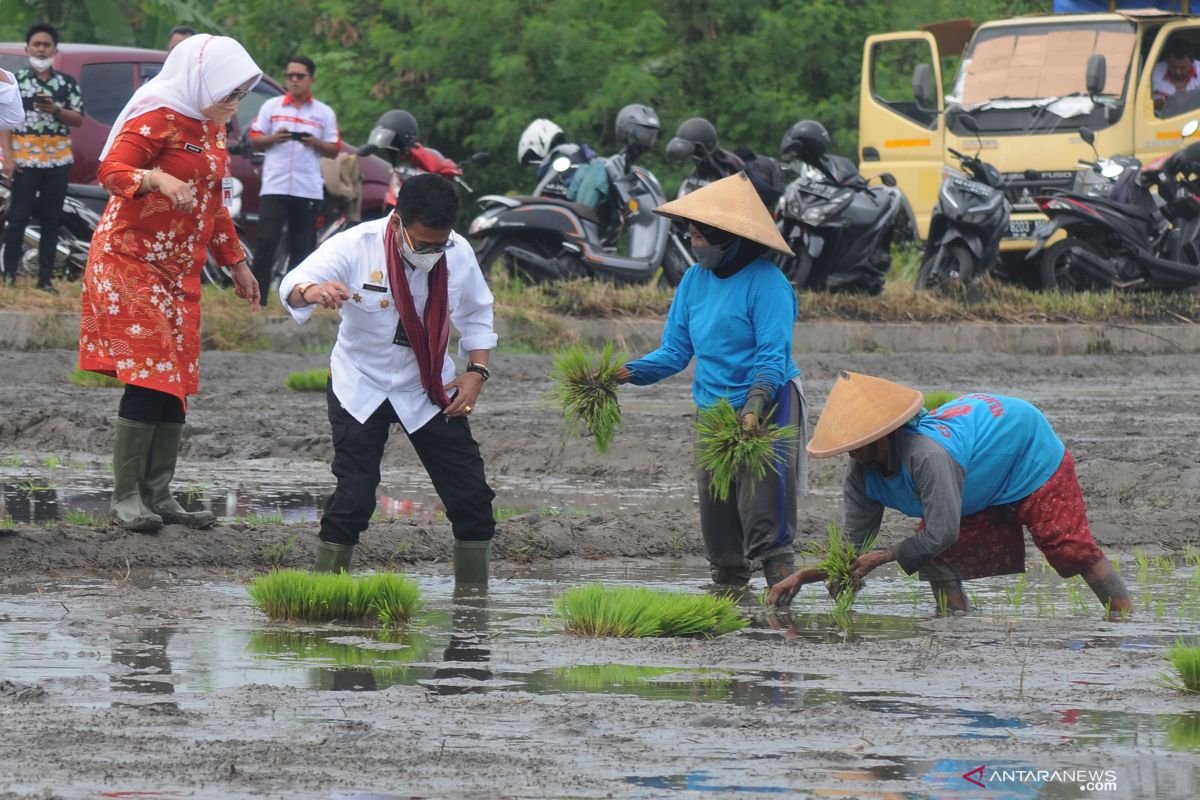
[992, 541]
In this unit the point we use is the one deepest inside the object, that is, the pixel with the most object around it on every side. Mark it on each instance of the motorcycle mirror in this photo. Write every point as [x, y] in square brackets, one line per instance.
[482, 157]
[887, 179]
[561, 164]
[968, 122]
[1190, 128]
[1087, 135]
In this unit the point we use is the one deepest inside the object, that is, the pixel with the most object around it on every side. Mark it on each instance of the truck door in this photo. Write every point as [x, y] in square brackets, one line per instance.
[1160, 118]
[896, 133]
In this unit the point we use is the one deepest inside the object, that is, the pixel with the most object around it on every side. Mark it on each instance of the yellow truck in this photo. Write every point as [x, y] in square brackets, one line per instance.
[1030, 83]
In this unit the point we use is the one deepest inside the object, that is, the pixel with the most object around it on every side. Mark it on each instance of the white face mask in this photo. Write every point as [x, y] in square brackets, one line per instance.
[41, 64]
[424, 262]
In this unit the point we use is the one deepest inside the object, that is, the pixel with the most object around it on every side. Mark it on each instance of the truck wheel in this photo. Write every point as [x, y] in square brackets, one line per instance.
[1059, 271]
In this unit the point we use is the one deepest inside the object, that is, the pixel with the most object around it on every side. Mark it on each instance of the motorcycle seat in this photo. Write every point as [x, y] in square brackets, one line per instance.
[87, 190]
[1137, 211]
[583, 211]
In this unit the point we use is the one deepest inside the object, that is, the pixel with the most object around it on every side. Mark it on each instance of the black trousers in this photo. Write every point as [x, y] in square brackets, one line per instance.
[444, 445]
[39, 190]
[300, 216]
[140, 404]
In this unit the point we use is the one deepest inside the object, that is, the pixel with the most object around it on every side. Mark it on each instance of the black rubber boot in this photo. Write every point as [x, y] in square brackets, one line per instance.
[160, 471]
[471, 563]
[131, 452]
[333, 557]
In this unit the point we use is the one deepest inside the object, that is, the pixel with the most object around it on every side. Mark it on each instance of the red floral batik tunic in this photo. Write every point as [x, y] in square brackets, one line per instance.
[141, 290]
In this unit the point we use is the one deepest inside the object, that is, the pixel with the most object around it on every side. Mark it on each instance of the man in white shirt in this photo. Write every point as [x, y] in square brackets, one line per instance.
[399, 282]
[1176, 74]
[12, 111]
[296, 131]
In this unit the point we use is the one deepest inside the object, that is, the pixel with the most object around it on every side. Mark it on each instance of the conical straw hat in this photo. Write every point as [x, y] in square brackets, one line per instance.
[732, 205]
[861, 409]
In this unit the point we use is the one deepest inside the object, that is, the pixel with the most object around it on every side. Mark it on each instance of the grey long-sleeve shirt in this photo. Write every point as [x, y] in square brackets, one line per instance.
[938, 479]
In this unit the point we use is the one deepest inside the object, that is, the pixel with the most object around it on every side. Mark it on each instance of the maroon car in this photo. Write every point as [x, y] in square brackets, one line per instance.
[108, 76]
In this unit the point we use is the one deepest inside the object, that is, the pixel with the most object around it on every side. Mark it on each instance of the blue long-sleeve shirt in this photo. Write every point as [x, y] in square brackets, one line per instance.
[739, 329]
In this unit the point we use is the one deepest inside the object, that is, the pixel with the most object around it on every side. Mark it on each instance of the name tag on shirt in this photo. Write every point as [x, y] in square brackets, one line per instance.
[191, 148]
[401, 337]
[227, 192]
[371, 287]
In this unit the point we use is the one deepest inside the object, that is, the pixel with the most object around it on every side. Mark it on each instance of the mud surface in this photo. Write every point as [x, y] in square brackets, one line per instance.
[890, 717]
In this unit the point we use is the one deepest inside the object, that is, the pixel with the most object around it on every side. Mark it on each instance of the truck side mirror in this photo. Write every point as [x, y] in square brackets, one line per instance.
[1097, 72]
[922, 85]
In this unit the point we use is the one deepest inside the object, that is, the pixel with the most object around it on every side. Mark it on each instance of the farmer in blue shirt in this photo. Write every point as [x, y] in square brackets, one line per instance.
[976, 471]
[734, 311]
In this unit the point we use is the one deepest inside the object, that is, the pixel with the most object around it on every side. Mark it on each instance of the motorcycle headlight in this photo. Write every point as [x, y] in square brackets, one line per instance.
[481, 224]
[815, 215]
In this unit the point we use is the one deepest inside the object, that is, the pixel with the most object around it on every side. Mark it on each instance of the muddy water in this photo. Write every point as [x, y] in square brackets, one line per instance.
[789, 706]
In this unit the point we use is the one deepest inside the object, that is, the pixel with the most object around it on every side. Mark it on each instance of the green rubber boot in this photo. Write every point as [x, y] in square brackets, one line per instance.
[471, 561]
[131, 452]
[160, 471]
[333, 557]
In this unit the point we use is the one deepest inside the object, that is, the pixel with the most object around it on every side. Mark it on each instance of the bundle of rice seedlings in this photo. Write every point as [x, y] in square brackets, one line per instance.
[384, 597]
[93, 380]
[313, 380]
[586, 388]
[637, 612]
[837, 553]
[935, 399]
[728, 448]
[1186, 661]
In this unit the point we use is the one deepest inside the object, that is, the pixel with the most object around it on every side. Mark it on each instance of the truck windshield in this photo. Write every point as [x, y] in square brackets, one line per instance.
[1040, 71]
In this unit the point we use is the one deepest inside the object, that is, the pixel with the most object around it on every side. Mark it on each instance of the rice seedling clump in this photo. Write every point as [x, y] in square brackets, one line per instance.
[313, 380]
[637, 612]
[384, 597]
[1186, 661]
[837, 554]
[586, 388]
[727, 448]
[935, 399]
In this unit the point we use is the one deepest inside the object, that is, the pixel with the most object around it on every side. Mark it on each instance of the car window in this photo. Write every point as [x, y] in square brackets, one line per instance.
[248, 108]
[106, 89]
[148, 70]
[13, 63]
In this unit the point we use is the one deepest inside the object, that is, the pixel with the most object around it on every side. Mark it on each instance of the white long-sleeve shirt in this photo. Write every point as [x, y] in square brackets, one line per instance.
[12, 112]
[367, 366]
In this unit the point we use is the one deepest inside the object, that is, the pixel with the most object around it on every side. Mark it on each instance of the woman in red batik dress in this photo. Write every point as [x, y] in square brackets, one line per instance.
[167, 168]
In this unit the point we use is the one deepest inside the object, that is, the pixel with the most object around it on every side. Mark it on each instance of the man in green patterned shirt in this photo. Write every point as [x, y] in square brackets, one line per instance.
[37, 154]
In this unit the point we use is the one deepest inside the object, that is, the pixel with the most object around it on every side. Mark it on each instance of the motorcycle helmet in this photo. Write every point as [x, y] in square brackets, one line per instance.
[395, 132]
[807, 140]
[537, 140]
[637, 126]
[695, 138]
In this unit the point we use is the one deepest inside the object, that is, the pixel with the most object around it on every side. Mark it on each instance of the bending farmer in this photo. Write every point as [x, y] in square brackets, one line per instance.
[976, 470]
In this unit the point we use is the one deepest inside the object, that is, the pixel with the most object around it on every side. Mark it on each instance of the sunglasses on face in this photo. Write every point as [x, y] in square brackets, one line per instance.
[296, 76]
[425, 249]
[236, 96]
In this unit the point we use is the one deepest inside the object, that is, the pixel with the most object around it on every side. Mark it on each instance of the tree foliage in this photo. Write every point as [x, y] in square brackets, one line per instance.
[475, 73]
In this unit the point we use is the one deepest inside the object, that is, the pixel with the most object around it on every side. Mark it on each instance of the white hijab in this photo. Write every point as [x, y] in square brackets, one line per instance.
[201, 70]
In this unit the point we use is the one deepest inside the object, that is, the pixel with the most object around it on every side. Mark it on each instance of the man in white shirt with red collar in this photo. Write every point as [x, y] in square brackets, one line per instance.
[296, 131]
[1176, 74]
[399, 283]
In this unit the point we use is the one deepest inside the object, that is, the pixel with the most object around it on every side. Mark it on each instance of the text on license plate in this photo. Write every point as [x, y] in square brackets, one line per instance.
[1020, 228]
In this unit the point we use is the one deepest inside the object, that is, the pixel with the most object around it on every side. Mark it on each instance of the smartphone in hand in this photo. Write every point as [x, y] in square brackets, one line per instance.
[299, 136]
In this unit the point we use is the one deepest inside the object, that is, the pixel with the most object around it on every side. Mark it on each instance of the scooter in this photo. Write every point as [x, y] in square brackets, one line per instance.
[82, 208]
[561, 165]
[550, 239]
[968, 222]
[1122, 241]
[838, 225]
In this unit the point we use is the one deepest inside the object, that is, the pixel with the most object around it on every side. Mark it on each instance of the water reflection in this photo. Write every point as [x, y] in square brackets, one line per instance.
[143, 652]
[467, 655]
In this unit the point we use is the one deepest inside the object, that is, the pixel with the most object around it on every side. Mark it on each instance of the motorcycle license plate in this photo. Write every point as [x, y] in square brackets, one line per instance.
[1020, 228]
[818, 189]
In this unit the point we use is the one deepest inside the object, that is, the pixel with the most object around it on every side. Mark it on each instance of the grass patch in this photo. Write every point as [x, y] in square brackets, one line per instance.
[383, 597]
[93, 380]
[935, 399]
[580, 298]
[273, 555]
[586, 388]
[74, 517]
[1186, 661]
[313, 380]
[727, 448]
[228, 322]
[637, 612]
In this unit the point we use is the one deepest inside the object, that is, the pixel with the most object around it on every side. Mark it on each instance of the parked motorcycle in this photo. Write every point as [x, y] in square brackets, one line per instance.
[82, 208]
[969, 220]
[838, 225]
[1124, 238]
[220, 276]
[550, 239]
